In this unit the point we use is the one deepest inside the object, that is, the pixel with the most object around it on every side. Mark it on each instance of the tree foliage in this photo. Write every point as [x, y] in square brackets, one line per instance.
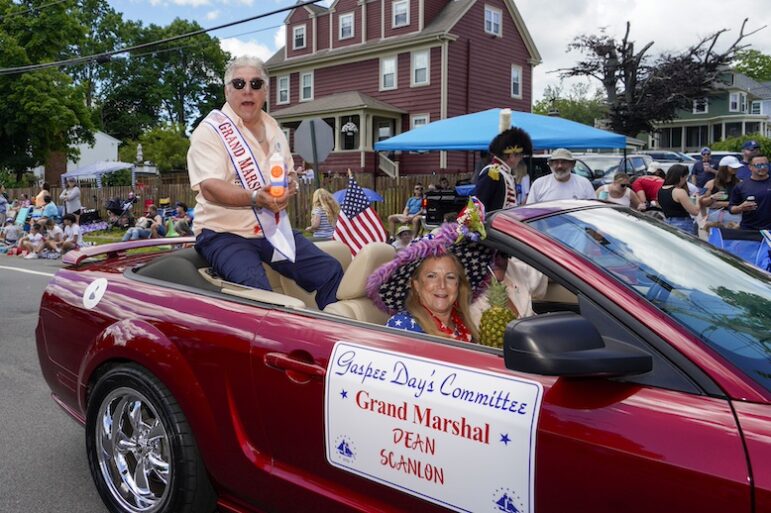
[642, 89]
[166, 147]
[735, 143]
[754, 64]
[577, 104]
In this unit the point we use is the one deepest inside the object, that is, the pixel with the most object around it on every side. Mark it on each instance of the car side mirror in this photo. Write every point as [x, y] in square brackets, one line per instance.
[566, 344]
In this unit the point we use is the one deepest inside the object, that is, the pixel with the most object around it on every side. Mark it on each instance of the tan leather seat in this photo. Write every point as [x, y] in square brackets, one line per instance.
[352, 295]
[288, 286]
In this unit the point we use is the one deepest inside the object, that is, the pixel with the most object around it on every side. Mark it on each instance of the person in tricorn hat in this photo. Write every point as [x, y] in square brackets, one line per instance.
[496, 187]
[561, 184]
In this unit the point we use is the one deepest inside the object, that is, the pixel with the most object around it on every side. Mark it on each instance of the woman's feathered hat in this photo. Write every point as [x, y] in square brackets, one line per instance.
[389, 284]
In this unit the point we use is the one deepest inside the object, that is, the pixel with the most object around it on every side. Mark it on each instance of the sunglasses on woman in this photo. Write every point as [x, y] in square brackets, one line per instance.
[240, 83]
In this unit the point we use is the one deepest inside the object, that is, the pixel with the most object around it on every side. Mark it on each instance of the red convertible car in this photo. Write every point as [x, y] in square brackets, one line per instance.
[643, 382]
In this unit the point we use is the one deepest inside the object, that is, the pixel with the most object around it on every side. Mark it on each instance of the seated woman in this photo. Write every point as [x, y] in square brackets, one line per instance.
[429, 286]
[619, 192]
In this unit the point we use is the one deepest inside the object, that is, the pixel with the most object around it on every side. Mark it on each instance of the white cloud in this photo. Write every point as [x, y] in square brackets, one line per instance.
[238, 47]
[279, 38]
[672, 25]
[212, 15]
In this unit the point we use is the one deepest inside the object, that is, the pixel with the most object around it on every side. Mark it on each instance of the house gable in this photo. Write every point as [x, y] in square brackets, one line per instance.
[301, 17]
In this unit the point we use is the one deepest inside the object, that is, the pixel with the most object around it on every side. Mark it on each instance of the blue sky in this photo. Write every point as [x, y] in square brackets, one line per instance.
[673, 25]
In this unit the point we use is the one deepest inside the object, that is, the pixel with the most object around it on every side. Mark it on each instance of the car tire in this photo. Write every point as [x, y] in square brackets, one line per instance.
[141, 451]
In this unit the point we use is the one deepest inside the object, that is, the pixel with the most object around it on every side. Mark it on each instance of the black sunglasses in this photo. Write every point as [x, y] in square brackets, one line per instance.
[240, 83]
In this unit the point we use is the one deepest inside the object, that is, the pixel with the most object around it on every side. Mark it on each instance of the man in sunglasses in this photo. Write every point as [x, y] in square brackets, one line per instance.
[413, 213]
[752, 197]
[239, 224]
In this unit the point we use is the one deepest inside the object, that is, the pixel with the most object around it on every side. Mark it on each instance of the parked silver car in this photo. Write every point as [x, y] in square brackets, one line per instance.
[605, 165]
[669, 158]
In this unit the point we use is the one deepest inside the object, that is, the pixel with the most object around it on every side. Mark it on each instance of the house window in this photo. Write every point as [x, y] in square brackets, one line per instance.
[700, 106]
[387, 73]
[282, 91]
[737, 102]
[696, 136]
[286, 134]
[306, 86]
[751, 127]
[350, 132]
[420, 68]
[733, 130]
[298, 37]
[401, 13]
[346, 26]
[755, 107]
[717, 133]
[417, 120]
[493, 21]
[384, 128]
[516, 81]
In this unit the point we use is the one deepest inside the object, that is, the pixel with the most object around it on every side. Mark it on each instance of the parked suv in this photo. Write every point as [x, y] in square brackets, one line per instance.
[604, 166]
[716, 156]
[669, 158]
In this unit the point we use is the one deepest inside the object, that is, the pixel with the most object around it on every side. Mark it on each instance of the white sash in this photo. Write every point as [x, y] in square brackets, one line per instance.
[276, 227]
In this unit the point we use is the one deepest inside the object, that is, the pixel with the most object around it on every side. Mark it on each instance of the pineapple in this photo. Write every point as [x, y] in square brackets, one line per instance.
[494, 319]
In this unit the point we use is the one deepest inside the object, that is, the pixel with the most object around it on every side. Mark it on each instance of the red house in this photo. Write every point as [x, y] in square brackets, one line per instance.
[376, 68]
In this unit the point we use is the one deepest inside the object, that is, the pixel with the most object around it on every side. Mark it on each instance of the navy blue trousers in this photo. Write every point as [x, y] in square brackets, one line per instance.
[239, 260]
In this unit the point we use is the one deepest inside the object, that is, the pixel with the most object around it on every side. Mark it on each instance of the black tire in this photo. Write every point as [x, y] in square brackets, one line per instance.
[156, 467]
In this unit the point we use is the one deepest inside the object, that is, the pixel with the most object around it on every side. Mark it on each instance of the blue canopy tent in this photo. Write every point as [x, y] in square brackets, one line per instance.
[97, 169]
[475, 131]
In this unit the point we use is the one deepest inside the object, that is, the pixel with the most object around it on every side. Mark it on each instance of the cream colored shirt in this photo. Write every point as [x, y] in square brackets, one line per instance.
[207, 158]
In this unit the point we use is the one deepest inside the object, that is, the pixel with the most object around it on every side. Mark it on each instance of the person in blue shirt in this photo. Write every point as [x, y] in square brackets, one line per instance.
[50, 210]
[749, 150]
[752, 197]
[703, 171]
[413, 212]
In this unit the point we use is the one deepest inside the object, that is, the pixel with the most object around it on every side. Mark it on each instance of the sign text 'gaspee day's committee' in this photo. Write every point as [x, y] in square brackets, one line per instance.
[422, 425]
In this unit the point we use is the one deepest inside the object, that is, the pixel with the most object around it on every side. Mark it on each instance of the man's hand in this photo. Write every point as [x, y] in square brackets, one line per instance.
[273, 203]
[747, 205]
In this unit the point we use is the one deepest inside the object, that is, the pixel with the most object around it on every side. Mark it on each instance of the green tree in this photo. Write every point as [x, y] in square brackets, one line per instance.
[41, 112]
[578, 105]
[735, 143]
[166, 147]
[754, 64]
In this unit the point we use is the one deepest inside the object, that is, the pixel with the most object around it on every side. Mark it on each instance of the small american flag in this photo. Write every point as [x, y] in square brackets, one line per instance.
[358, 224]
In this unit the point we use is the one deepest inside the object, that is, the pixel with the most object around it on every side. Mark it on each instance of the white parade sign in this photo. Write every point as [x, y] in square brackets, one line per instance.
[453, 435]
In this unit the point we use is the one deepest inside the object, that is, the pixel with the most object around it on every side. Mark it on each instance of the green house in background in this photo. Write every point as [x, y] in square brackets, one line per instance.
[738, 106]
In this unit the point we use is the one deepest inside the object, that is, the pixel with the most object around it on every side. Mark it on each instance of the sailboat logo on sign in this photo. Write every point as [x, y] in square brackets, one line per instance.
[345, 448]
[507, 501]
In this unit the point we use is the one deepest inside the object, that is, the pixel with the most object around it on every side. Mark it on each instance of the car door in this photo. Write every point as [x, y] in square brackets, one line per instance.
[602, 445]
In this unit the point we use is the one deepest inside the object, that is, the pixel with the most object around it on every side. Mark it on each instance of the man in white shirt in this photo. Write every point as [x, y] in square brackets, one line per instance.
[561, 184]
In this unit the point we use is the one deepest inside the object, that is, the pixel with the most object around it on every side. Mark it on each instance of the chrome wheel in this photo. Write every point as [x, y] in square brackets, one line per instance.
[133, 449]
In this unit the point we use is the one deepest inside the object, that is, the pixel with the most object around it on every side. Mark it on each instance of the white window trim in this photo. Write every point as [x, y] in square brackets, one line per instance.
[286, 134]
[278, 90]
[489, 8]
[759, 103]
[340, 26]
[414, 117]
[295, 30]
[706, 106]
[511, 82]
[428, 68]
[393, 13]
[302, 87]
[739, 96]
[396, 72]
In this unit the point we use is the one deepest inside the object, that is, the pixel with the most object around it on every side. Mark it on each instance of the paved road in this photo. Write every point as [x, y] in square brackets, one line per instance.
[43, 467]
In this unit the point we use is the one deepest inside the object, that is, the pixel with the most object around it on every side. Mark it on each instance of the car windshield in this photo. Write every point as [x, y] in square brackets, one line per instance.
[686, 158]
[602, 164]
[724, 302]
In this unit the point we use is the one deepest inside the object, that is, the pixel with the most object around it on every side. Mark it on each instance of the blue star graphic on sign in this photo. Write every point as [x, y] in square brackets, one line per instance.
[344, 394]
[505, 439]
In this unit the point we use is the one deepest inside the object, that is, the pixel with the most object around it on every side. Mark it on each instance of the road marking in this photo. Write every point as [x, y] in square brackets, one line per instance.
[25, 270]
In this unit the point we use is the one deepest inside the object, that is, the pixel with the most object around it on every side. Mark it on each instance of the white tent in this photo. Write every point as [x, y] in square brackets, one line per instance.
[97, 169]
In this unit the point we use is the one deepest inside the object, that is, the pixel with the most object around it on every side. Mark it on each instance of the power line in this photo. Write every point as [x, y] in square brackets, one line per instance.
[31, 9]
[104, 57]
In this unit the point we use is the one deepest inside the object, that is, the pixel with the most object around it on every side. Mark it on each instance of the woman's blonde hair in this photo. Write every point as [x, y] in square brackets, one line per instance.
[462, 303]
[324, 200]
